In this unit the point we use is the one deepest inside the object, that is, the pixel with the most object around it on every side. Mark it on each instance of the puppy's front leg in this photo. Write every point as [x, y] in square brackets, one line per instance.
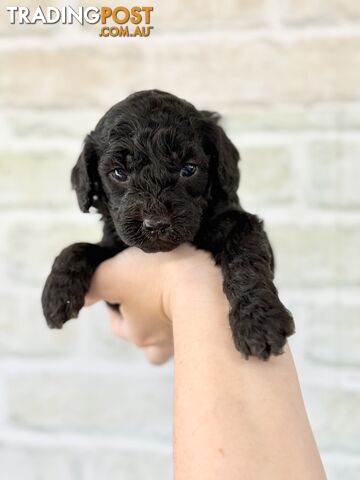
[69, 280]
[259, 321]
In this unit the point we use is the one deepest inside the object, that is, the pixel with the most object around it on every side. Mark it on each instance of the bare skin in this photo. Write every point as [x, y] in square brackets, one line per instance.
[233, 418]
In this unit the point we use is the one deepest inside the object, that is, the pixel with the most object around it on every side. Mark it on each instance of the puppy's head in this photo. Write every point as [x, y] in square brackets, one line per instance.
[155, 164]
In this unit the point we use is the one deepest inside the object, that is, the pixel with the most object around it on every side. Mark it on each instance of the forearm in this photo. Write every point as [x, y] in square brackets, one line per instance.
[234, 418]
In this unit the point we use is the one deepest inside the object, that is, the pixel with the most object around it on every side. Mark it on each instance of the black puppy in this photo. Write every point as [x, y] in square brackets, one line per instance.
[162, 173]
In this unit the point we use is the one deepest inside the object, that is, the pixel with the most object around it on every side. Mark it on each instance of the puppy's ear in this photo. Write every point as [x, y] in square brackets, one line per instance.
[224, 158]
[85, 179]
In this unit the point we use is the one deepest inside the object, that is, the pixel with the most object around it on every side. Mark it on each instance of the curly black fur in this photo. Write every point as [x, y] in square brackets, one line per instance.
[131, 170]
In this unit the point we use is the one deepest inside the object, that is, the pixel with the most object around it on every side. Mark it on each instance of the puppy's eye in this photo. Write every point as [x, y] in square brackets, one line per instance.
[119, 174]
[188, 170]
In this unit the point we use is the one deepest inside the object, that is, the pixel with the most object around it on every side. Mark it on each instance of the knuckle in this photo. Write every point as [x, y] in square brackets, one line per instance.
[140, 341]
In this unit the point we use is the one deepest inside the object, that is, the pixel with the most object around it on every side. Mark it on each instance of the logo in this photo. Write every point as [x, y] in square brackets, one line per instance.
[119, 21]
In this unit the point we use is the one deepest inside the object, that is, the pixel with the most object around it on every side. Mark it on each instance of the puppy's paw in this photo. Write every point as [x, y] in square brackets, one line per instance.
[62, 298]
[260, 325]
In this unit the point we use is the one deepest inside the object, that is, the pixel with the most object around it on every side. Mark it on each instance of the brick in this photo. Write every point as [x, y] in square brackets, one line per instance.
[331, 174]
[292, 118]
[270, 71]
[316, 254]
[349, 118]
[264, 70]
[23, 330]
[31, 246]
[69, 124]
[322, 11]
[91, 79]
[333, 333]
[274, 118]
[130, 466]
[331, 411]
[61, 125]
[36, 178]
[128, 404]
[31, 464]
[194, 15]
[266, 175]
[5, 130]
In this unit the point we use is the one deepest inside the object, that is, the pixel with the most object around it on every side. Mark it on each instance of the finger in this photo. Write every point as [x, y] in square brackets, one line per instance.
[90, 299]
[103, 281]
[117, 324]
[157, 355]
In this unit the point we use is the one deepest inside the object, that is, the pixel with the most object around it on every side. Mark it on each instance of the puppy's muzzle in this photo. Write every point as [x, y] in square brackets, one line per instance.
[156, 225]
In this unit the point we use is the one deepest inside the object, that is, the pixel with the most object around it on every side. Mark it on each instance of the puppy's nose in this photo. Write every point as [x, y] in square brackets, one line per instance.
[154, 224]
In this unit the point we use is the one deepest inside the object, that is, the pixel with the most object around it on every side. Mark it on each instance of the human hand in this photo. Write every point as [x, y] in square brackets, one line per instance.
[147, 286]
[181, 291]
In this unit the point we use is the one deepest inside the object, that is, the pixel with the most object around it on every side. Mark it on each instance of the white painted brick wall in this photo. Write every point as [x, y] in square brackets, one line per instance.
[81, 405]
